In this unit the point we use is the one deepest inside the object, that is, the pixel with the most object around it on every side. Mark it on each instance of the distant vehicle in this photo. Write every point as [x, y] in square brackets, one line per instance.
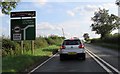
[72, 48]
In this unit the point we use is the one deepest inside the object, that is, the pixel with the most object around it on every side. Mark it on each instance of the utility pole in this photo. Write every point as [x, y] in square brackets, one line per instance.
[118, 4]
[63, 32]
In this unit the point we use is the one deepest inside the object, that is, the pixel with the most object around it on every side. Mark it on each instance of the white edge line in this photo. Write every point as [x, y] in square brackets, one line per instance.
[42, 64]
[105, 62]
[103, 66]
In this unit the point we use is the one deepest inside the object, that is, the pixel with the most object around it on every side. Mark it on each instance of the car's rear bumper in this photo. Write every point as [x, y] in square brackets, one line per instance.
[78, 55]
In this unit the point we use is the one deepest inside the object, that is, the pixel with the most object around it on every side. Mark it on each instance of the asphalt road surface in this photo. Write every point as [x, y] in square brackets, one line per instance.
[98, 59]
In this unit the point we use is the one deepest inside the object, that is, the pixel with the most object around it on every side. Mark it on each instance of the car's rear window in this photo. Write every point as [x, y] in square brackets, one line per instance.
[71, 42]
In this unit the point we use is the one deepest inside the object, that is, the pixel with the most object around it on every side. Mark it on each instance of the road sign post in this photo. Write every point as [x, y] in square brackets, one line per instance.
[21, 47]
[32, 47]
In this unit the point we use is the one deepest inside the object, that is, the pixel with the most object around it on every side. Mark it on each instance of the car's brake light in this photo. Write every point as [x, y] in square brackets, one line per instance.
[81, 46]
[62, 47]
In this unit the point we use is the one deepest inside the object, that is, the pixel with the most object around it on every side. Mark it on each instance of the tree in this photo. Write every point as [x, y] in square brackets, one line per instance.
[7, 6]
[103, 23]
[86, 36]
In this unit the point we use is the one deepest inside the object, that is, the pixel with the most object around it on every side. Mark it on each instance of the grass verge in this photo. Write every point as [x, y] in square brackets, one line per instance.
[22, 63]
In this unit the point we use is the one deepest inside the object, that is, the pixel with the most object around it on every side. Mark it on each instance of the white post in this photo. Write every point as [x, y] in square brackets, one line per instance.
[119, 11]
[118, 4]
[119, 17]
[63, 32]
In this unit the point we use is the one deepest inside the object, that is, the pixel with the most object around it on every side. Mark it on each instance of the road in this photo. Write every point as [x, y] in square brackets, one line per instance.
[93, 62]
[108, 55]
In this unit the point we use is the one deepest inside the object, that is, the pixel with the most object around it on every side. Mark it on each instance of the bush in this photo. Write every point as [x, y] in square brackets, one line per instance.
[54, 40]
[27, 45]
[40, 42]
[110, 39]
[50, 41]
[95, 40]
[8, 46]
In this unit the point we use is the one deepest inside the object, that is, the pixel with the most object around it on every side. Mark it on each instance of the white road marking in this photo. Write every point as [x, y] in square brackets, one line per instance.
[103, 66]
[113, 68]
[42, 64]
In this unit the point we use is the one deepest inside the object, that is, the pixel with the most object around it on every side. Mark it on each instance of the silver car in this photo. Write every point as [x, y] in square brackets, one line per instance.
[72, 48]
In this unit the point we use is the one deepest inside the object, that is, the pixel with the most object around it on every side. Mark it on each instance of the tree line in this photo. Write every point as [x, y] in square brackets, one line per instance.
[110, 39]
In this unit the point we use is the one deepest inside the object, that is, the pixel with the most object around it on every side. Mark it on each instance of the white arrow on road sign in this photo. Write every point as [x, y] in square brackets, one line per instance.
[25, 30]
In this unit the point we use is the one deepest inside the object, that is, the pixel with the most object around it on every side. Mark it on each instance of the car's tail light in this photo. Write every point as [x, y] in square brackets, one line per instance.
[81, 46]
[62, 47]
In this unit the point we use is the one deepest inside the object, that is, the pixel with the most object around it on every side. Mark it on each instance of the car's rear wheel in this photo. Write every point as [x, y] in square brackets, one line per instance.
[84, 57]
[61, 57]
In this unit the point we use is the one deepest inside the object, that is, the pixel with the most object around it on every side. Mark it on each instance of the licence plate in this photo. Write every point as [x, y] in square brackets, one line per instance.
[72, 53]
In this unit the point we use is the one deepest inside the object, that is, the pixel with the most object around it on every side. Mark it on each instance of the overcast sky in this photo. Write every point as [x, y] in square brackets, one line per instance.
[74, 16]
